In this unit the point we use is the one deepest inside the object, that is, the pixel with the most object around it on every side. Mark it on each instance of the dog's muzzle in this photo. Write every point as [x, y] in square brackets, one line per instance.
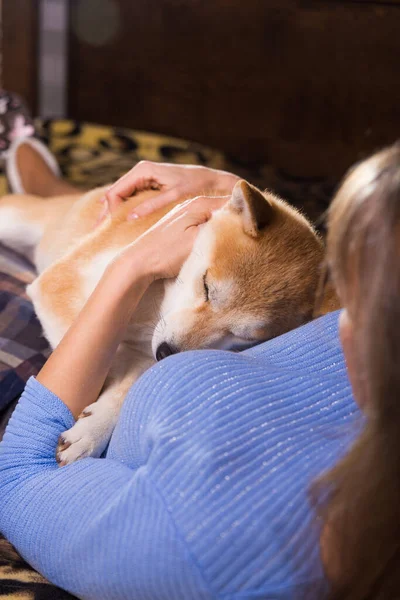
[165, 350]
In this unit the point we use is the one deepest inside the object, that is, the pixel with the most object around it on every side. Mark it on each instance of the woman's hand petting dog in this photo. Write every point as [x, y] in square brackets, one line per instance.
[165, 246]
[77, 369]
[173, 181]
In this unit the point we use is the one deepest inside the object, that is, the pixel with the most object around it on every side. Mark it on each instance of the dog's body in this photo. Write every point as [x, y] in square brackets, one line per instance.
[252, 275]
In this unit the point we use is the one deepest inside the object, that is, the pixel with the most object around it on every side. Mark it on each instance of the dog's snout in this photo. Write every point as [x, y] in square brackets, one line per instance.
[165, 350]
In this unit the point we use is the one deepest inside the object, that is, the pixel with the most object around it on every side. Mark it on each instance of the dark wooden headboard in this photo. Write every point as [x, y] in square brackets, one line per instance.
[310, 86]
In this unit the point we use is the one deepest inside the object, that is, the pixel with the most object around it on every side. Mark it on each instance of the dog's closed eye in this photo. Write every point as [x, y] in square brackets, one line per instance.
[206, 288]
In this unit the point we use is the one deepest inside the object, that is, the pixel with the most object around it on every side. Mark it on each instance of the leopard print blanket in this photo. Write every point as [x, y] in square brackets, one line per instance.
[94, 155]
[18, 581]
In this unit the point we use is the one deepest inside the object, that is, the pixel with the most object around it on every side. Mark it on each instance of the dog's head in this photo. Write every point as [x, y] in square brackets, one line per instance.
[251, 276]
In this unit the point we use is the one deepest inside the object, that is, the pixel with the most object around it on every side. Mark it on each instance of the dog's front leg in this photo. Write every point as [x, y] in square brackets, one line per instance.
[94, 426]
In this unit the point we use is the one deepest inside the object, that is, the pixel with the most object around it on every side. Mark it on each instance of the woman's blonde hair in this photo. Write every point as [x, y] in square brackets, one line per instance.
[362, 509]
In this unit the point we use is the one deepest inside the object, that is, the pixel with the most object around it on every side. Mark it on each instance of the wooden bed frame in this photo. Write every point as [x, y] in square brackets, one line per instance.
[310, 86]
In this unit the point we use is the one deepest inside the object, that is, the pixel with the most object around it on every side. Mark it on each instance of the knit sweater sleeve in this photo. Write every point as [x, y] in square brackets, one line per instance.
[204, 492]
[97, 528]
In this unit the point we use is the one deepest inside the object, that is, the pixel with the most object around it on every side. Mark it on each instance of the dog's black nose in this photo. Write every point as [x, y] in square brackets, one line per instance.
[165, 350]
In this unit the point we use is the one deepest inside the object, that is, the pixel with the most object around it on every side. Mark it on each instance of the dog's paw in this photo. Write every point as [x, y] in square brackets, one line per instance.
[88, 437]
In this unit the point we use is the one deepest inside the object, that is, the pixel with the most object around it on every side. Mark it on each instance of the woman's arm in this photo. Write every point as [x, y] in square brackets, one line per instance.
[97, 527]
[77, 369]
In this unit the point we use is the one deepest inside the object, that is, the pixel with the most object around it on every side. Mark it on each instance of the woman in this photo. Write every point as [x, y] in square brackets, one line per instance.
[204, 492]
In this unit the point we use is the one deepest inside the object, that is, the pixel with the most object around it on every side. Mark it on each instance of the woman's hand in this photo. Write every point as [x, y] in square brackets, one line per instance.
[173, 181]
[164, 247]
[77, 369]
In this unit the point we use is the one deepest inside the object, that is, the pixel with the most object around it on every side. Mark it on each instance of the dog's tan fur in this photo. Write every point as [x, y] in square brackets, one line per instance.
[260, 257]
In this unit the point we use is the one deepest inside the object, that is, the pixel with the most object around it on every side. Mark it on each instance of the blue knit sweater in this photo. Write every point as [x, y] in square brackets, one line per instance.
[204, 490]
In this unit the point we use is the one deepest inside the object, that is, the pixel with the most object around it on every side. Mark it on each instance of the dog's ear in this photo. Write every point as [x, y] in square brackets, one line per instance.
[257, 212]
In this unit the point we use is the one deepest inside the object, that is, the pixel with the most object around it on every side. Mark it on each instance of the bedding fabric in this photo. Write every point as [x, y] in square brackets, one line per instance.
[23, 349]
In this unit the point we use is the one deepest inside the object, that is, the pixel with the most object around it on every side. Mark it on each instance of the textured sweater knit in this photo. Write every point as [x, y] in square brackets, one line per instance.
[204, 491]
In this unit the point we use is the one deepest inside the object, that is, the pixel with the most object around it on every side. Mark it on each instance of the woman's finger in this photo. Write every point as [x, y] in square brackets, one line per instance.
[192, 213]
[152, 204]
[196, 210]
[112, 201]
[205, 205]
[138, 179]
[115, 195]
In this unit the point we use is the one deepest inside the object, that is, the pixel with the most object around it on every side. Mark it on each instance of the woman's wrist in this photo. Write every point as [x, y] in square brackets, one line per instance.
[77, 369]
[131, 270]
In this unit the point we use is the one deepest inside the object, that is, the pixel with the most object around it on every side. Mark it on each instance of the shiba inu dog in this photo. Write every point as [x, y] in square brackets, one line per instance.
[252, 275]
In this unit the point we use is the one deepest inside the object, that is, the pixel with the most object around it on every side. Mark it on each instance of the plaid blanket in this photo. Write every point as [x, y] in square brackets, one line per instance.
[23, 349]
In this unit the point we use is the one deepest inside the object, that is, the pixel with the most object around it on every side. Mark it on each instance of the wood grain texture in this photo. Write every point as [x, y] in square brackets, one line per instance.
[375, 2]
[310, 86]
[20, 48]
